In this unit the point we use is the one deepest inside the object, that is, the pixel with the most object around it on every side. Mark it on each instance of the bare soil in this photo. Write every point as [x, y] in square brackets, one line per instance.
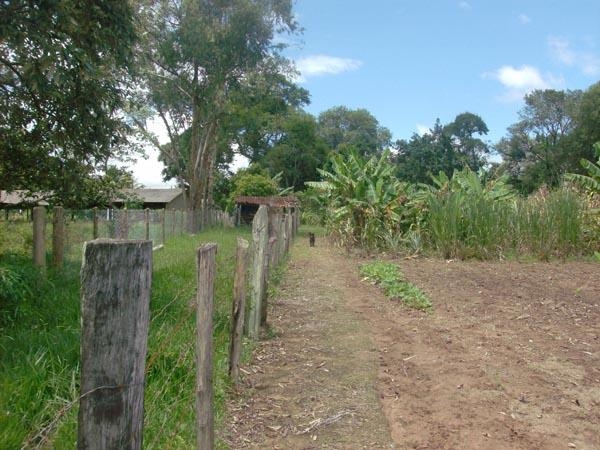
[509, 358]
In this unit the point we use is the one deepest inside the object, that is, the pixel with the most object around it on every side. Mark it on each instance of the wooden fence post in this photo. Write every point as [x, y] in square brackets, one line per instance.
[147, 221]
[266, 271]
[238, 310]
[95, 221]
[58, 236]
[260, 238]
[205, 262]
[164, 226]
[115, 296]
[39, 236]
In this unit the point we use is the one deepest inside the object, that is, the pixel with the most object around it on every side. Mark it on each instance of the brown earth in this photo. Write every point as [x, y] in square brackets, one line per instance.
[509, 358]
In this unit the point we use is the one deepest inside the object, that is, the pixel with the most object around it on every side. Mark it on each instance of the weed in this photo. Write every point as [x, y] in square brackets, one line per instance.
[391, 280]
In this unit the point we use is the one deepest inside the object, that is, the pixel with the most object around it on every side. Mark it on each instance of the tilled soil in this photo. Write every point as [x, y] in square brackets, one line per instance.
[509, 358]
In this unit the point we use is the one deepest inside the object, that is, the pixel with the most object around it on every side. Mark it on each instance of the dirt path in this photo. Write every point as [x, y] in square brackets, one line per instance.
[509, 358]
[312, 385]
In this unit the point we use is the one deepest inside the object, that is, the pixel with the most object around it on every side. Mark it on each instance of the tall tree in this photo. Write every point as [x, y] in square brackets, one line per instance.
[471, 149]
[535, 152]
[344, 129]
[64, 65]
[200, 51]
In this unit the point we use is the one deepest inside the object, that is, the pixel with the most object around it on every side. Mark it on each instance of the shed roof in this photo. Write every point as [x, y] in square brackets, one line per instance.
[21, 197]
[274, 202]
[152, 195]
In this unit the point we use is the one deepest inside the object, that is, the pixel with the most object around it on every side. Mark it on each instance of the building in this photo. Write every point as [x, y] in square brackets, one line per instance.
[153, 198]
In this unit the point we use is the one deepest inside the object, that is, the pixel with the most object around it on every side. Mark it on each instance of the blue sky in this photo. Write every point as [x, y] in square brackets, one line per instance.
[411, 61]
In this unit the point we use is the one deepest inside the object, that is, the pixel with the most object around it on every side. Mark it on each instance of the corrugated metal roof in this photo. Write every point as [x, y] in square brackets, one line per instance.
[274, 202]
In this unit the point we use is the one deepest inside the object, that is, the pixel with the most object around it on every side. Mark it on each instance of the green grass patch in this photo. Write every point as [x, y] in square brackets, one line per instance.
[39, 346]
[389, 277]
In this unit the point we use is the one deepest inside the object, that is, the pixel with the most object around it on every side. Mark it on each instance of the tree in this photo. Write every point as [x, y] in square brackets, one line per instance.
[344, 129]
[200, 51]
[64, 66]
[298, 153]
[471, 149]
[421, 157]
[536, 150]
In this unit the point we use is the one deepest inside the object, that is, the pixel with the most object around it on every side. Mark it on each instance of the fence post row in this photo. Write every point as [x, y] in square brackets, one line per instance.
[115, 297]
[205, 262]
[238, 310]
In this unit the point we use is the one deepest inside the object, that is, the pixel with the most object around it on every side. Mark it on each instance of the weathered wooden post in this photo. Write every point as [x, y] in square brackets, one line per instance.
[164, 226]
[115, 296]
[39, 236]
[266, 271]
[205, 261]
[95, 223]
[260, 238]
[147, 223]
[238, 310]
[58, 236]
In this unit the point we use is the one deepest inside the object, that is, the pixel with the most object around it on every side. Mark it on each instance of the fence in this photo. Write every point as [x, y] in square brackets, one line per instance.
[63, 232]
[115, 327]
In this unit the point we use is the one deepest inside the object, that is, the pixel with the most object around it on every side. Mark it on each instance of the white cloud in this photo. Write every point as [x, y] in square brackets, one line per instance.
[519, 81]
[317, 65]
[562, 52]
[464, 5]
[524, 19]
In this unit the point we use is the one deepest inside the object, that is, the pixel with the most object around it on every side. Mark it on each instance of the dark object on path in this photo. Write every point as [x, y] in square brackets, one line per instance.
[311, 239]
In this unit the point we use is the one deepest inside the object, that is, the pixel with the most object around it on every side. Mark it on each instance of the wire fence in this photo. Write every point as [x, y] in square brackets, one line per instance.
[79, 226]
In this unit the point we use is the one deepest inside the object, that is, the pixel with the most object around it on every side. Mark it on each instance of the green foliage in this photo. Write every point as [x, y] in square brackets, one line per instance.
[298, 153]
[591, 181]
[64, 69]
[345, 130]
[466, 217]
[39, 352]
[364, 200]
[391, 280]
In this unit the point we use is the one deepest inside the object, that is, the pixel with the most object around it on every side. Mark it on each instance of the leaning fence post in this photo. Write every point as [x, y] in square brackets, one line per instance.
[205, 262]
[238, 310]
[58, 236]
[39, 236]
[115, 297]
[260, 238]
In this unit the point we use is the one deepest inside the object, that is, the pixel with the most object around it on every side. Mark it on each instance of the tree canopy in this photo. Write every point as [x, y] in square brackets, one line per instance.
[64, 66]
[344, 129]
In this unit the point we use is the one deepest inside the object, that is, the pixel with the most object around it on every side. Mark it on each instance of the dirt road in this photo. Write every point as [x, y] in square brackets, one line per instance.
[509, 358]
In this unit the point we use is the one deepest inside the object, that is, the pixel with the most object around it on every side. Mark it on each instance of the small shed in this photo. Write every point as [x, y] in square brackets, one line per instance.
[246, 206]
[153, 198]
[20, 200]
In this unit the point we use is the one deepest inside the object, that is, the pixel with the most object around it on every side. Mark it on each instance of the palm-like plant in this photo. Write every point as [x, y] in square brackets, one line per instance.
[591, 181]
[364, 199]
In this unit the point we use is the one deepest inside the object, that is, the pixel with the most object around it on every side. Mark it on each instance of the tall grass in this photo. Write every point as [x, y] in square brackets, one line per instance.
[39, 352]
[544, 226]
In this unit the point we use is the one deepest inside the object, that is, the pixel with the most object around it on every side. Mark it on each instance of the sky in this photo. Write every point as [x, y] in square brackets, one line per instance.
[409, 62]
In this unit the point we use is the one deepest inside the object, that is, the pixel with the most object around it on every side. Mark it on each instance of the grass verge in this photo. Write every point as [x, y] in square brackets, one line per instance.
[39, 348]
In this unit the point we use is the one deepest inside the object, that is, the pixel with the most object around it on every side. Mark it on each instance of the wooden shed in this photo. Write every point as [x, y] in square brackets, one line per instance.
[246, 207]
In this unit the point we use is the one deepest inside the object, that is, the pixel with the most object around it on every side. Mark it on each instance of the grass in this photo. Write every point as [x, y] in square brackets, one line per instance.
[391, 280]
[39, 347]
